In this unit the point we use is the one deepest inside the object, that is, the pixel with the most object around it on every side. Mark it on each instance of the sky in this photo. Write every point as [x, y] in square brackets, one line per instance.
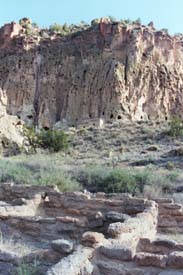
[164, 13]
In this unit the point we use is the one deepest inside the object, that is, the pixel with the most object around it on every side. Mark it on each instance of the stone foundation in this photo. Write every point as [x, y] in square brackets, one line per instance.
[81, 233]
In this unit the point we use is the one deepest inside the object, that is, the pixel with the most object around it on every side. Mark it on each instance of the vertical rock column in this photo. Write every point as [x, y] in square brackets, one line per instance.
[37, 71]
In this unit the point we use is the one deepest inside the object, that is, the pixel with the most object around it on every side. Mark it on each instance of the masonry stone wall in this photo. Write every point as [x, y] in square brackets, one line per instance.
[84, 233]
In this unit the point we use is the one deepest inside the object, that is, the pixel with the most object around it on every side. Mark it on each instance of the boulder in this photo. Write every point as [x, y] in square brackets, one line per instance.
[92, 238]
[62, 246]
[115, 229]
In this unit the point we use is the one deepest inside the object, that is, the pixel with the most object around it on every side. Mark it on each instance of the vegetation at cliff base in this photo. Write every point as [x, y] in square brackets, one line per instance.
[176, 127]
[53, 140]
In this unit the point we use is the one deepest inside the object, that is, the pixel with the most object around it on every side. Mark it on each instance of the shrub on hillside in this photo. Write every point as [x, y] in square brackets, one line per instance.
[176, 127]
[31, 137]
[113, 180]
[56, 28]
[147, 181]
[53, 140]
[60, 29]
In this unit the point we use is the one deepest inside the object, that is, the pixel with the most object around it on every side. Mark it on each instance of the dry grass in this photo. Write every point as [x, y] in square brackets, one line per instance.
[19, 248]
[119, 146]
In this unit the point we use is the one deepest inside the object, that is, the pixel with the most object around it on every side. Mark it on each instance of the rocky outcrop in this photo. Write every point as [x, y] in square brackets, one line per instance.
[109, 71]
[11, 135]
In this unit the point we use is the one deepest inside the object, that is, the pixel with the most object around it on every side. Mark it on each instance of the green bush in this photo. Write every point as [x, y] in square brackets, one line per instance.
[176, 127]
[61, 29]
[98, 179]
[54, 140]
[95, 22]
[120, 181]
[56, 28]
[31, 137]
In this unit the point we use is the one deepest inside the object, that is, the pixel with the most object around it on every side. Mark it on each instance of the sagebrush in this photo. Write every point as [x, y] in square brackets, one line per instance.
[53, 140]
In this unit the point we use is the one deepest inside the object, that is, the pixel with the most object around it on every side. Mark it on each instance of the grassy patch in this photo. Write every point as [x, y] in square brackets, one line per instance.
[36, 173]
[19, 248]
[134, 181]
[61, 170]
[27, 269]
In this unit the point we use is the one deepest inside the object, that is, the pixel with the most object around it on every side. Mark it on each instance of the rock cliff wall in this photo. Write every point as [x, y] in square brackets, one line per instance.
[110, 71]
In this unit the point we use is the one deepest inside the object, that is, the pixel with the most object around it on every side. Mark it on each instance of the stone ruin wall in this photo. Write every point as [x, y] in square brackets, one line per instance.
[109, 234]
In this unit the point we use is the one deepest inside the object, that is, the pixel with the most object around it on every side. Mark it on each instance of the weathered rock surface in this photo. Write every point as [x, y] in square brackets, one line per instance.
[117, 251]
[110, 70]
[176, 259]
[149, 259]
[116, 269]
[11, 138]
[73, 264]
[62, 246]
[92, 238]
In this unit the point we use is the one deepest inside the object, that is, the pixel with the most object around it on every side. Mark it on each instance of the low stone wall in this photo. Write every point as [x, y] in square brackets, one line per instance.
[160, 253]
[10, 192]
[170, 218]
[84, 233]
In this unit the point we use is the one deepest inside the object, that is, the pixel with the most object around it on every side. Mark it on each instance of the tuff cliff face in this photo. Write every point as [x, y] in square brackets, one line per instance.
[110, 71]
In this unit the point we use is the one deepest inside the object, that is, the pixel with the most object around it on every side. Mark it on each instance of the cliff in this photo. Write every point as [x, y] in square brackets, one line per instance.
[109, 70]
